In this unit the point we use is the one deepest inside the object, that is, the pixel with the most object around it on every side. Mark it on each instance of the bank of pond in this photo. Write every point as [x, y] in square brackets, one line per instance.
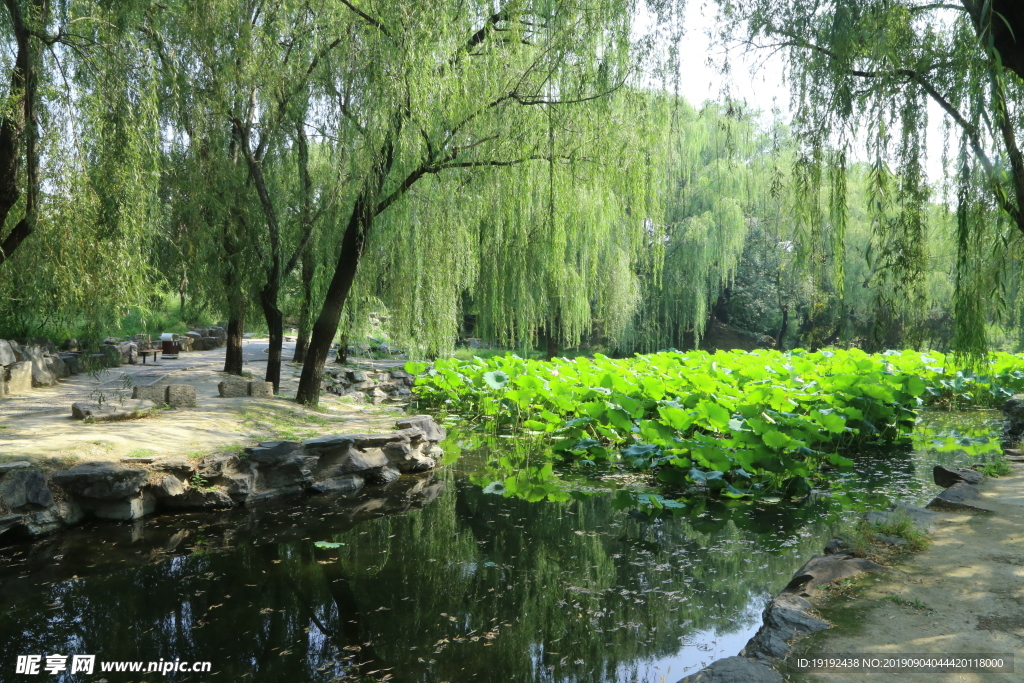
[502, 565]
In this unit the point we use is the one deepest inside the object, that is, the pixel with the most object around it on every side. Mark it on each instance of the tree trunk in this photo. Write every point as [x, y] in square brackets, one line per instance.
[308, 269]
[550, 342]
[18, 127]
[326, 325]
[779, 344]
[275, 324]
[236, 326]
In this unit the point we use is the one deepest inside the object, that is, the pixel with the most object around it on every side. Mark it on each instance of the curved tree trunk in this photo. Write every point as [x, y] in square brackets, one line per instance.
[275, 325]
[326, 325]
[308, 268]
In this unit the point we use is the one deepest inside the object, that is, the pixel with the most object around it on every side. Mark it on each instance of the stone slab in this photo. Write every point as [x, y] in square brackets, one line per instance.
[181, 396]
[19, 380]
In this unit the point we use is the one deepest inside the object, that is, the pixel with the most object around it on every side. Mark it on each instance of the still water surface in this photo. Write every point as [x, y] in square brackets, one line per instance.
[444, 578]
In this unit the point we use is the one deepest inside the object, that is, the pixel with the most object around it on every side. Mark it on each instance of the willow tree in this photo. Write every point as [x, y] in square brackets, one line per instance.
[241, 72]
[435, 88]
[78, 165]
[866, 70]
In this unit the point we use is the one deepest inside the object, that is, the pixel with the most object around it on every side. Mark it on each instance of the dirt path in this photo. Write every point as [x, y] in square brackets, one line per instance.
[963, 595]
[39, 427]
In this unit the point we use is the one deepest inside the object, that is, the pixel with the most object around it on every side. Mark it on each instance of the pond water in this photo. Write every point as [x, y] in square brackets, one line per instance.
[447, 577]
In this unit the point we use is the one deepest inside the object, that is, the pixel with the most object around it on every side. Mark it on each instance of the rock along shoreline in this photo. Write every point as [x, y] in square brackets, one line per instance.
[34, 504]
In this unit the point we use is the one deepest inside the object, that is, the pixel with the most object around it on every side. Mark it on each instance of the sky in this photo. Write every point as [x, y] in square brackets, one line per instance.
[757, 79]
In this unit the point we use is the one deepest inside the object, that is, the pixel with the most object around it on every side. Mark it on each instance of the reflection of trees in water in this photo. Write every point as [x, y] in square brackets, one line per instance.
[473, 585]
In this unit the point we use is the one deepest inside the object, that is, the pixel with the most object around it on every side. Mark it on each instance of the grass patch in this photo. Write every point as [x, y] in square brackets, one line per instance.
[195, 455]
[903, 602]
[997, 468]
[140, 453]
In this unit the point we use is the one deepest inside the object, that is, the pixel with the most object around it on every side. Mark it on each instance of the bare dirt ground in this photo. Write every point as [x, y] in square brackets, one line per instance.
[38, 426]
[963, 595]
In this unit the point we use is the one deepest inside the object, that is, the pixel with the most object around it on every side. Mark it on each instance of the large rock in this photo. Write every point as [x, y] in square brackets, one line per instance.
[148, 392]
[7, 356]
[946, 476]
[960, 497]
[735, 670]
[178, 465]
[261, 389]
[825, 569]
[23, 490]
[101, 480]
[272, 451]
[1013, 421]
[111, 355]
[169, 486]
[19, 378]
[42, 373]
[785, 617]
[431, 430]
[134, 507]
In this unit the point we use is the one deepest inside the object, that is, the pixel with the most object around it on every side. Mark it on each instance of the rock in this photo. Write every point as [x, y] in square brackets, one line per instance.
[825, 569]
[111, 412]
[210, 343]
[261, 389]
[293, 470]
[402, 376]
[220, 465]
[349, 483]
[8, 466]
[233, 388]
[7, 356]
[150, 393]
[181, 396]
[169, 487]
[785, 617]
[958, 497]
[42, 374]
[23, 490]
[382, 476]
[179, 466]
[19, 378]
[946, 477]
[57, 367]
[101, 480]
[71, 345]
[431, 430]
[185, 344]
[408, 458]
[836, 545]
[334, 445]
[355, 376]
[376, 396]
[272, 451]
[922, 518]
[200, 499]
[74, 363]
[735, 670]
[1013, 421]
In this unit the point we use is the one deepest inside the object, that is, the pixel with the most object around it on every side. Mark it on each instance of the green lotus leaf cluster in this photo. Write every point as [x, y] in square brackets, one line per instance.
[735, 424]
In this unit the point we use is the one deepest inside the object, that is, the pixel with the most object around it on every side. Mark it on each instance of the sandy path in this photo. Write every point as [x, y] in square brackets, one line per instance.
[970, 588]
[39, 427]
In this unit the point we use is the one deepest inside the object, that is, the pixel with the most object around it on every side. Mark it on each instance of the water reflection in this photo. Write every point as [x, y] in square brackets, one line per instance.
[439, 581]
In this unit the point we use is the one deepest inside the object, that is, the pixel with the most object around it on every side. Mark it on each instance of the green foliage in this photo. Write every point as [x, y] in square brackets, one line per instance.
[997, 468]
[736, 424]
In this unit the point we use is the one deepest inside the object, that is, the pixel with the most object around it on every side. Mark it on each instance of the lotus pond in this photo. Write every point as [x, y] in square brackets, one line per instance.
[498, 567]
